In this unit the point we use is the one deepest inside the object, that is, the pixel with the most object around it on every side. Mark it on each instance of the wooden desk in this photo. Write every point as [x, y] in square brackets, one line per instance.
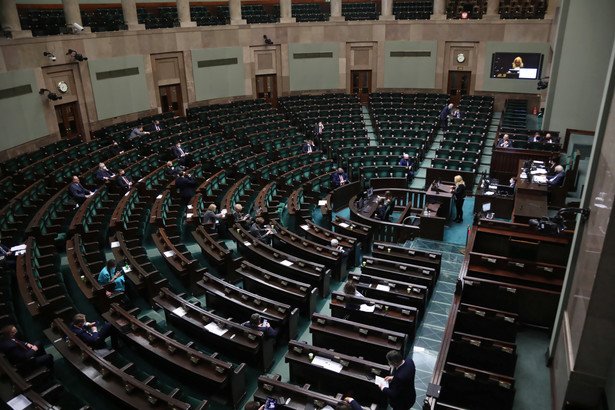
[530, 199]
[443, 196]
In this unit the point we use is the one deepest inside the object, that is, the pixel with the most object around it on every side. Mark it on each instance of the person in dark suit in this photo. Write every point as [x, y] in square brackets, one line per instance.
[186, 185]
[170, 170]
[8, 256]
[89, 333]
[407, 162]
[78, 192]
[400, 392]
[558, 178]
[381, 209]
[550, 139]
[446, 111]
[551, 169]
[155, 126]
[116, 149]
[504, 142]
[180, 154]
[348, 404]
[457, 113]
[210, 216]
[256, 323]
[124, 181]
[27, 356]
[459, 194]
[308, 147]
[536, 138]
[339, 178]
[258, 231]
[239, 217]
[137, 132]
[102, 173]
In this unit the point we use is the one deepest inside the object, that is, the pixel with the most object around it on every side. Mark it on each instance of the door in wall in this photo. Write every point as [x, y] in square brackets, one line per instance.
[171, 98]
[267, 88]
[458, 84]
[69, 120]
[361, 84]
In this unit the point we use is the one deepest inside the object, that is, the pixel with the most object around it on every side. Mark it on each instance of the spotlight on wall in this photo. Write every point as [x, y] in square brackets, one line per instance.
[542, 83]
[267, 40]
[76, 55]
[77, 27]
[50, 95]
[49, 55]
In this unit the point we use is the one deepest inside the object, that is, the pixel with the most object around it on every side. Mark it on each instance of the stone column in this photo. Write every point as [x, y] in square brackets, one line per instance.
[235, 10]
[439, 10]
[129, 10]
[336, 11]
[493, 8]
[386, 10]
[10, 19]
[286, 14]
[72, 14]
[183, 13]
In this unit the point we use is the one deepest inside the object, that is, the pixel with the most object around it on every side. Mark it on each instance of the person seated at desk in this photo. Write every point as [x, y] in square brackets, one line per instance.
[102, 173]
[308, 147]
[78, 192]
[264, 326]
[505, 142]
[339, 178]
[513, 182]
[156, 126]
[335, 245]
[239, 217]
[551, 168]
[180, 154]
[407, 162]
[550, 139]
[27, 356]
[210, 216]
[110, 274]
[381, 209]
[536, 138]
[137, 132]
[558, 178]
[459, 194]
[457, 113]
[353, 294]
[123, 180]
[88, 332]
[258, 231]
[116, 149]
[170, 170]
[9, 258]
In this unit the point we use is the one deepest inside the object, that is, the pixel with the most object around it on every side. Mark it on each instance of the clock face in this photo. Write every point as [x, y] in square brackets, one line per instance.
[461, 58]
[62, 87]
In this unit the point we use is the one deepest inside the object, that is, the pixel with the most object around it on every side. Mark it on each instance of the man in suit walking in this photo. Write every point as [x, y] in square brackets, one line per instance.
[400, 390]
[28, 356]
[186, 185]
[78, 192]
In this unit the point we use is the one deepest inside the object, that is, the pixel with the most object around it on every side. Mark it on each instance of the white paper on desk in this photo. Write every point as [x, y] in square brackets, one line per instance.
[127, 268]
[305, 227]
[322, 202]
[189, 215]
[19, 402]
[215, 329]
[383, 287]
[180, 311]
[115, 244]
[542, 179]
[168, 254]
[189, 207]
[539, 171]
[367, 308]
[286, 262]
[247, 243]
[333, 366]
[17, 248]
[159, 196]
[344, 225]
[224, 212]
[380, 380]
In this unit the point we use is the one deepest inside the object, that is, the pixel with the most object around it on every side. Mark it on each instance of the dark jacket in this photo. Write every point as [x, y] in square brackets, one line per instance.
[101, 174]
[401, 392]
[460, 192]
[268, 331]
[178, 152]
[78, 191]
[121, 182]
[186, 186]
[259, 233]
[557, 180]
[336, 178]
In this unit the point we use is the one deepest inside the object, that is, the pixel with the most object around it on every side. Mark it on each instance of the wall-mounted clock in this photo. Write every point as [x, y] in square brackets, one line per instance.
[461, 58]
[62, 87]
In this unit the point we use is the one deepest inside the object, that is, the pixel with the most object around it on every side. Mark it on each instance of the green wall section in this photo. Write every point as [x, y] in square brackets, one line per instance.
[410, 72]
[580, 64]
[218, 81]
[314, 73]
[508, 85]
[23, 118]
[120, 95]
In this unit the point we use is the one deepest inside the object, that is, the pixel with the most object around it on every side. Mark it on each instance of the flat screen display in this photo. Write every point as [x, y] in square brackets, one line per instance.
[526, 66]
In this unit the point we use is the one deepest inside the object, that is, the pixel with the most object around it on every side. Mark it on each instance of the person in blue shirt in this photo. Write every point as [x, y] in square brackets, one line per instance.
[110, 273]
[407, 162]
